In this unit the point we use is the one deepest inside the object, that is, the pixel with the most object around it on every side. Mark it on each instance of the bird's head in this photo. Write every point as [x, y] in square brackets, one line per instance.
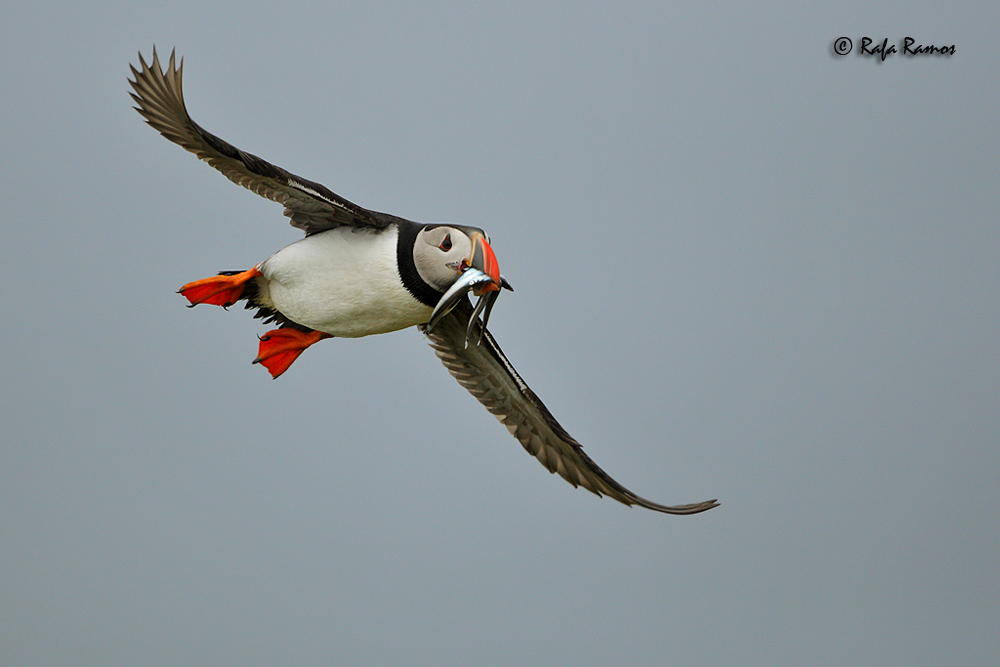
[456, 260]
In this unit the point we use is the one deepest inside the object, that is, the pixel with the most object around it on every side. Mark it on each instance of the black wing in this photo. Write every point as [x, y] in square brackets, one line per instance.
[489, 376]
[311, 206]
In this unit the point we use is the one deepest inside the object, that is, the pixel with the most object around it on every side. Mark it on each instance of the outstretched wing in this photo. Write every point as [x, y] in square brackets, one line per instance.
[489, 376]
[311, 206]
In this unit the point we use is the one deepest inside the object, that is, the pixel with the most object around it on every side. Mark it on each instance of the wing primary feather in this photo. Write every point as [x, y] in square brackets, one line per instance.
[488, 375]
[312, 207]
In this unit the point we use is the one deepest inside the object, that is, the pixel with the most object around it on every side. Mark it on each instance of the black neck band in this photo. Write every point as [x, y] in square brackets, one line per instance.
[412, 281]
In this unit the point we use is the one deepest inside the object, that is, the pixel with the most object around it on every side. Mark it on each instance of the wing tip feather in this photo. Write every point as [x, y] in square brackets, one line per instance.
[531, 424]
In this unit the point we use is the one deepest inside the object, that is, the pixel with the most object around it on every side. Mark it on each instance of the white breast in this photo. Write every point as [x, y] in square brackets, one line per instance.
[344, 282]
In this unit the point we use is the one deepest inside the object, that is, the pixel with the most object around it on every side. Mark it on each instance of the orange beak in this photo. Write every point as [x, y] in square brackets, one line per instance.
[484, 260]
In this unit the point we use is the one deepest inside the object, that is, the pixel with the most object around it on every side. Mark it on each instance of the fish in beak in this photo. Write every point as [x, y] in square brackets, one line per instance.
[480, 274]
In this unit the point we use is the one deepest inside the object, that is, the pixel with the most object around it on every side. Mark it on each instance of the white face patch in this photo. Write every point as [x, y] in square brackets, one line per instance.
[438, 254]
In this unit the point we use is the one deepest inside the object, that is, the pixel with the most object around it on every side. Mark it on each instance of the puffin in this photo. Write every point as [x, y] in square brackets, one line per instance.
[358, 272]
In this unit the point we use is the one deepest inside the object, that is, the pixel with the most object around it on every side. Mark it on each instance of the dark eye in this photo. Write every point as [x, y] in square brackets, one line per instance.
[446, 244]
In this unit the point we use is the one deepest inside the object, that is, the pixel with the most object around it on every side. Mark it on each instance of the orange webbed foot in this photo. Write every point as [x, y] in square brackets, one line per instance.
[221, 290]
[279, 348]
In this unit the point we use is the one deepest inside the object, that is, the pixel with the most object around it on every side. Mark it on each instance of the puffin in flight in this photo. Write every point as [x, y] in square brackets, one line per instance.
[359, 272]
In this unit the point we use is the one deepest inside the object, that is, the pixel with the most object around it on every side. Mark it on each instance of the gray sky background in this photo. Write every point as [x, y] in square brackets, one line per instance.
[745, 269]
